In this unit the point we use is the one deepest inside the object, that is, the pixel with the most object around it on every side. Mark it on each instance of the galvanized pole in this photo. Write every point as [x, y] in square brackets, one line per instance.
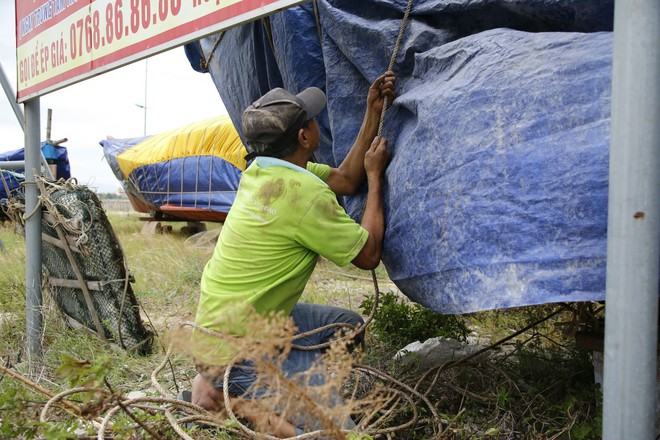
[146, 63]
[33, 232]
[633, 236]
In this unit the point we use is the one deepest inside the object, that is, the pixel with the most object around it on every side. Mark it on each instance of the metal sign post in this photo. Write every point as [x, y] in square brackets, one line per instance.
[32, 232]
[34, 159]
[633, 232]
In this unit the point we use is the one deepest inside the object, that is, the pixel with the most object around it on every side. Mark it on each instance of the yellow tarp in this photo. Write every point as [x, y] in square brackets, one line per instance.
[213, 137]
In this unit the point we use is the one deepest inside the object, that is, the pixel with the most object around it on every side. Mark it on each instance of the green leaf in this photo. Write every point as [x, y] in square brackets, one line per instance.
[492, 432]
[358, 436]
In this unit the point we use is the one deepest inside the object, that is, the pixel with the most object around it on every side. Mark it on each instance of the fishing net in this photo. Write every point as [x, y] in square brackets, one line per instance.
[78, 214]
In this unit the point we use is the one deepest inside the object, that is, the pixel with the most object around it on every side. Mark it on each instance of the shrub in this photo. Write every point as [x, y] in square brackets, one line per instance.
[399, 322]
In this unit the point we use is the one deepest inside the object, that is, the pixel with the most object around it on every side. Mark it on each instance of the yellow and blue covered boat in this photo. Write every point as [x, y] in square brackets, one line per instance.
[190, 173]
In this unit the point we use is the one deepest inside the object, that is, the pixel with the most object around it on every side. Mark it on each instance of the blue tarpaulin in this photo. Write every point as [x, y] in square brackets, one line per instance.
[496, 194]
[195, 168]
[56, 155]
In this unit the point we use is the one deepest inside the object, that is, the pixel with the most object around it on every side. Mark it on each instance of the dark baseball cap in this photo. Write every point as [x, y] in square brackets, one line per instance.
[278, 115]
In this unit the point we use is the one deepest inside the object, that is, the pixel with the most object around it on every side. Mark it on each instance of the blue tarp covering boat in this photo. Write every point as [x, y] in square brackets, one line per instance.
[497, 190]
[189, 173]
[11, 181]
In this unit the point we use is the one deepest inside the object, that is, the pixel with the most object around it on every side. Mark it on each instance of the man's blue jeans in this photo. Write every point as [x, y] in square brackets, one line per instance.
[307, 317]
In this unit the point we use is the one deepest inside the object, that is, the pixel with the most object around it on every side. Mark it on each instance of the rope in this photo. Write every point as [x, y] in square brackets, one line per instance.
[269, 33]
[75, 228]
[124, 294]
[317, 19]
[39, 199]
[350, 336]
[406, 392]
[395, 51]
[399, 38]
[380, 412]
[4, 183]
[394, 397]
[204, 63]
[357, 330]
[53, 400]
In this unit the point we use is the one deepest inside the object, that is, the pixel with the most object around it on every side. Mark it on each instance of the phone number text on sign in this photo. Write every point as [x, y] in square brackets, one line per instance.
[63, 41]
[96, 33]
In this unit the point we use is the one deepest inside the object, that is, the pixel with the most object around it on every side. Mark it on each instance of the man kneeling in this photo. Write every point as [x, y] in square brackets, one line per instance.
[285, 215]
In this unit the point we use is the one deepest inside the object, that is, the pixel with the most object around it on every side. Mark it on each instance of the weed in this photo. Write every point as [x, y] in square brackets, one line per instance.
[17, 411]
[399, 321]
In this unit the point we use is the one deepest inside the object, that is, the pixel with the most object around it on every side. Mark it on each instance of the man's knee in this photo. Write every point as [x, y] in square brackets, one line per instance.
[353, 318]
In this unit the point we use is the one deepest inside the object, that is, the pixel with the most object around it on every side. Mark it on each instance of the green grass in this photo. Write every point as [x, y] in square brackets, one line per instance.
[12, 291]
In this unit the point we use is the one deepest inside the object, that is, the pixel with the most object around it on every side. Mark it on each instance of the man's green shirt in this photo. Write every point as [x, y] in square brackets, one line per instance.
[283, 218]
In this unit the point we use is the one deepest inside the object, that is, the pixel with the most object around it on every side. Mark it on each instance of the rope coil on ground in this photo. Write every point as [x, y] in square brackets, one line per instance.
[370, 424]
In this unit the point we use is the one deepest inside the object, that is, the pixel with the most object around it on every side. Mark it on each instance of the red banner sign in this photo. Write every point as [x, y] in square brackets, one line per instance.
[60, 42]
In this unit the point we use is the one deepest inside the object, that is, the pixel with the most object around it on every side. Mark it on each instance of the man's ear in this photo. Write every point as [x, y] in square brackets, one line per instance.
[302, 137]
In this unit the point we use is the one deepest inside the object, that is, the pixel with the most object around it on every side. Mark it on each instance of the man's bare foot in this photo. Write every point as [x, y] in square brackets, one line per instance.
[206, 395]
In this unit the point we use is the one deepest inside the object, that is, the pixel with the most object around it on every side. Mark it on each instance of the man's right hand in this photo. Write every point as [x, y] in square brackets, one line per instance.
[375, 162]
[376, 158]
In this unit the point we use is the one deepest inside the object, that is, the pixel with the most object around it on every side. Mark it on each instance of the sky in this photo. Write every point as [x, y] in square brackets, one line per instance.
[107, 105]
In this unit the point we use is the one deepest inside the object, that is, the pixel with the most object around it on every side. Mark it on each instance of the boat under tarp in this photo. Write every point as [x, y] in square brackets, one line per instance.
[496, 194]
[190, 173]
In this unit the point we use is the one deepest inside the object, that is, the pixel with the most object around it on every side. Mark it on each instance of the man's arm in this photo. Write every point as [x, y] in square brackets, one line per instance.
[347, 179]
[373, 219]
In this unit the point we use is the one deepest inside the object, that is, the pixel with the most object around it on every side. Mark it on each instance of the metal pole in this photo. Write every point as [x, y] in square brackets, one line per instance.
[46, 165]
[20, 165]
[49, 121]
[11, 96]
[12, 165]
[146, 63]
[633, 234]
[32, 232]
